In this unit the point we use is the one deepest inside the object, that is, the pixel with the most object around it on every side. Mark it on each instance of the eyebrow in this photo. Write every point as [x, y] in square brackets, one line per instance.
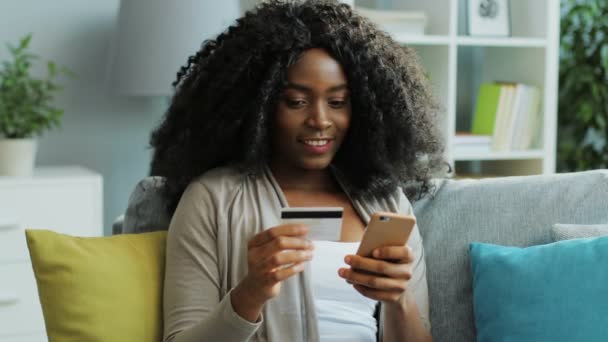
[308, 89]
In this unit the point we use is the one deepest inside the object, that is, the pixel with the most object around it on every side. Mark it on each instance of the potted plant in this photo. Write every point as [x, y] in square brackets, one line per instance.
[26, 109]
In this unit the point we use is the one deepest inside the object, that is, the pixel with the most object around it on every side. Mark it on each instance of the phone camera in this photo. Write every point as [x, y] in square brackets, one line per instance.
[384, 218]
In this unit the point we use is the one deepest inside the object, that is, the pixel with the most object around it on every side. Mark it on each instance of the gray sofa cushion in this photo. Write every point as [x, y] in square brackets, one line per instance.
[513, 211]
[146, 210]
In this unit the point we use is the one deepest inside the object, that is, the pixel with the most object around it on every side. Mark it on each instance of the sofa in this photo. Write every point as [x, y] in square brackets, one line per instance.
[512, 211]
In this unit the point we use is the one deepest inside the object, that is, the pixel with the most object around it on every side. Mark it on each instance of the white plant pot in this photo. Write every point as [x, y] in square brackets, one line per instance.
[17, 157]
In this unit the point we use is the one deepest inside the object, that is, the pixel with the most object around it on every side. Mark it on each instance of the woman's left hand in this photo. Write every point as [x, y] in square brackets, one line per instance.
[384, 276]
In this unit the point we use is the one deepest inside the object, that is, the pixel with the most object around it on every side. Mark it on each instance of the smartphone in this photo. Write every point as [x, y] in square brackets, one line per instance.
[386, 229]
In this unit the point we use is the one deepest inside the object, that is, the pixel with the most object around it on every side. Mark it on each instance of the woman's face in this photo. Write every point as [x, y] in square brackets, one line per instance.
[313, 113]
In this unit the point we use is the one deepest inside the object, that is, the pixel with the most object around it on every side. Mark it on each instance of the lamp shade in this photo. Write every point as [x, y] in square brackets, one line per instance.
[155, 37]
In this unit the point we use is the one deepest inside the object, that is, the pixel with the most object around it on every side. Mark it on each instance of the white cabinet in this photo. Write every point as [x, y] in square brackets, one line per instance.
[457, 64]
[67, 200]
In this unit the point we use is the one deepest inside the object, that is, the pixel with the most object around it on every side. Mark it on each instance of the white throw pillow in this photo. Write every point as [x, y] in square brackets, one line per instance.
[562, 231]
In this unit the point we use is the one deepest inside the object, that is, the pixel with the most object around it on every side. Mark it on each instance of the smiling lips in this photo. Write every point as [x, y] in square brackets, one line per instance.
[318, 145]
[316, 142]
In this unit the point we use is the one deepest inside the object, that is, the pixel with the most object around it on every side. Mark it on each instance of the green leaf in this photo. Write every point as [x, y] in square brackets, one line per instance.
[604, 57]
[52, 68]
[26, 101]
[25, 42]
[600, 121]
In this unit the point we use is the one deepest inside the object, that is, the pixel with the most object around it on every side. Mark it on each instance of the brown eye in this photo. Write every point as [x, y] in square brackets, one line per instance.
[337, 103]
[295, 103]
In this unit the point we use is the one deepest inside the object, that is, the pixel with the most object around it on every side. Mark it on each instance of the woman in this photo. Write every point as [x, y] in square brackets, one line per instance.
[297, 104]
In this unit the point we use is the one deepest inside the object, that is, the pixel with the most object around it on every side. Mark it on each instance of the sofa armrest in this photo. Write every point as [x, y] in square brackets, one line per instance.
[117, 225]
[146, 210]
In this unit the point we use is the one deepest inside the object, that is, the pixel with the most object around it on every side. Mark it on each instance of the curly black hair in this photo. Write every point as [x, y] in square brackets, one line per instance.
[225, 96]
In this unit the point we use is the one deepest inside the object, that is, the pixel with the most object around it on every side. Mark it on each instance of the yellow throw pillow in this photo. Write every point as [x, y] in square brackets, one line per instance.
[99, 288]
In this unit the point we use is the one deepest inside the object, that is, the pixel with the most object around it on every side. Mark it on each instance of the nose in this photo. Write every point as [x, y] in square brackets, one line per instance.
[319, 118]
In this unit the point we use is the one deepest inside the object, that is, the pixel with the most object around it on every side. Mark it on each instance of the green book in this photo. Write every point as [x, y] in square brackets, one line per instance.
[486, 109]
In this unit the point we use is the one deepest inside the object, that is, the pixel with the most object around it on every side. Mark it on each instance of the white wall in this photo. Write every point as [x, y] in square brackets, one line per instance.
[101, 131]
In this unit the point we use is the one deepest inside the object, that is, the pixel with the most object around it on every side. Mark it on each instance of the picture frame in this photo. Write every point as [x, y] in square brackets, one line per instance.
[490, 18]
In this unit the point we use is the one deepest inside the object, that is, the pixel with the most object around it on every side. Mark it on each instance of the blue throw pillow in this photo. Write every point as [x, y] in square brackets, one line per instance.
[552, 292]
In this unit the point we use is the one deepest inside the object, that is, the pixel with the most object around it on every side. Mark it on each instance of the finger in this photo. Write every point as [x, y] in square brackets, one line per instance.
[379, 267]
[373, 281]
[384, 296]
[282, 243]
[281, 274]
[274, 232]
[398, 254]
[281, 259]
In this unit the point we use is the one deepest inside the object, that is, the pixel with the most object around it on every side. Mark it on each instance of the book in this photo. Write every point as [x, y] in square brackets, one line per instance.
[509, 113]
[503, 116]
[531, 130]
[517, 114]
[486, 108]
[396, 21]
[522, 116]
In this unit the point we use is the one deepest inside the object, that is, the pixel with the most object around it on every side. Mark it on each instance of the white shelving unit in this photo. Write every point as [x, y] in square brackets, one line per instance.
[458, 64]
[67, 200]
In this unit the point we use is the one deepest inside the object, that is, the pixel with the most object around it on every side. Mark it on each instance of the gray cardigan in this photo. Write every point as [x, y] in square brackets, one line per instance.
[207, 256]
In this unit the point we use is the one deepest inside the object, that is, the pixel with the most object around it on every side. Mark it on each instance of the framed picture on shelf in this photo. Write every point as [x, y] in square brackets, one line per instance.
[488, 18]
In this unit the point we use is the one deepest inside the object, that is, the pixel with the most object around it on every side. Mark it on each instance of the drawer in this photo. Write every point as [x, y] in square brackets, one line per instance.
[20, 310]
[71, 208]
[13, 247]
[24, 338]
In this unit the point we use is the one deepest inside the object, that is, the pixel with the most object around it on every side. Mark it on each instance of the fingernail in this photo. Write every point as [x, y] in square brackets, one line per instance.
[377, 253]
[347, 260]
[341, 272]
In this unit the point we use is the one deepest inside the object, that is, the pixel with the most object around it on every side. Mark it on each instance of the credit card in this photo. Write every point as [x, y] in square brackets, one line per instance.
[324, 223]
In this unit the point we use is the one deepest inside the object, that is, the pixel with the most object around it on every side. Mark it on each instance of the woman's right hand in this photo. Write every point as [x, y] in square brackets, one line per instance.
[273, 255]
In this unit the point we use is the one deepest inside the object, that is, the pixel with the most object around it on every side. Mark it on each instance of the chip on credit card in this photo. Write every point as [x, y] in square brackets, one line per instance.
[324, 223]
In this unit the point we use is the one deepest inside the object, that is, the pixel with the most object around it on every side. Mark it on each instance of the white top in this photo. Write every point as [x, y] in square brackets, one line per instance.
[343, 313]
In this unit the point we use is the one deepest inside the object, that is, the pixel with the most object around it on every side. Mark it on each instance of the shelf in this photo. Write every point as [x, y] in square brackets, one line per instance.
[420, 39]
[470, 41]
[502, 42]
[463, 155]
